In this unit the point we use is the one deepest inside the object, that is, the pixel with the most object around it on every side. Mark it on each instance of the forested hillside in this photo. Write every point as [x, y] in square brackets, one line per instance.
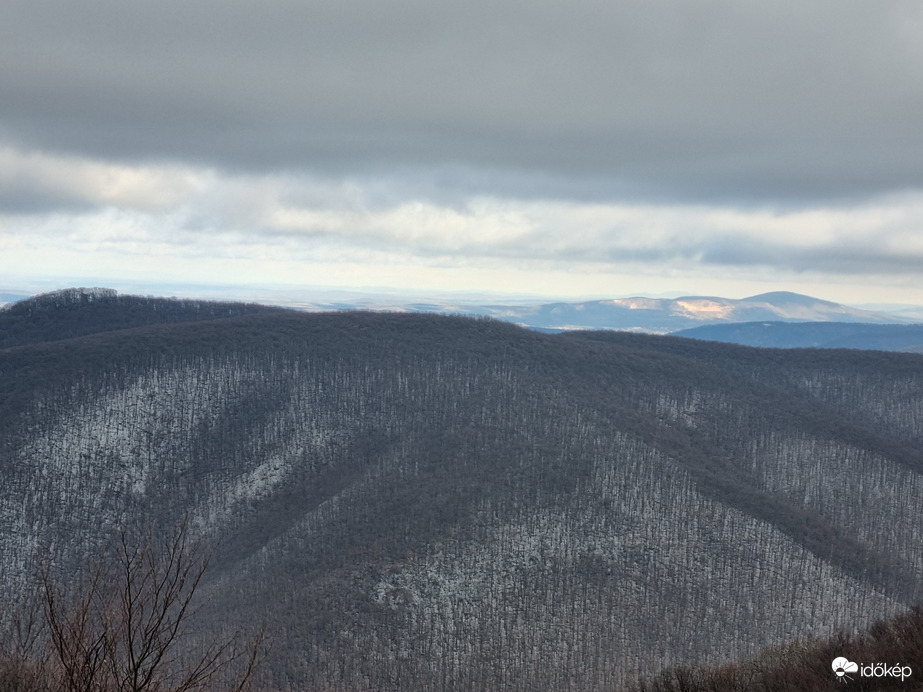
[424, 502]
[879, 337]
[82, 311]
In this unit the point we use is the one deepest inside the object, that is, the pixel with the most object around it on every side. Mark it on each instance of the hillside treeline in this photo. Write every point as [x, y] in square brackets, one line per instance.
[893, 647]
[77, 312]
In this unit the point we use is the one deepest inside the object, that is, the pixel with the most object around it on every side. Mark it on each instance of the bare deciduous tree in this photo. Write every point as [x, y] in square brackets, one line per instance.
[127, 628]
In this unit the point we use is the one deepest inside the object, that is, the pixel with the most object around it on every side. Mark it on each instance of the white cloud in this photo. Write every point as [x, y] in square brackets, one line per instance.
[188, 222]
[69, 179]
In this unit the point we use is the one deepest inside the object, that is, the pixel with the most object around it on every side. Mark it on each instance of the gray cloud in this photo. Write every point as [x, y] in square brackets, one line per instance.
[784, 102]
[867, 258]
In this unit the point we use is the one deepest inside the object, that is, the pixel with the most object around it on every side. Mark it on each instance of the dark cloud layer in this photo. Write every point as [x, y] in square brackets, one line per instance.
[711, 100]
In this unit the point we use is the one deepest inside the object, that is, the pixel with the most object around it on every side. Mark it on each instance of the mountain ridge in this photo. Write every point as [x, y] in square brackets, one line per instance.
[654, 315]
[666, 315]
[880, 337]
[511, 509]
[74, 312]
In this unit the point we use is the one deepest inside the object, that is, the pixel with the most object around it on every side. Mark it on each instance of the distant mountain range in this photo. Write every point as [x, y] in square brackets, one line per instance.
[663, 315]
[765, 315]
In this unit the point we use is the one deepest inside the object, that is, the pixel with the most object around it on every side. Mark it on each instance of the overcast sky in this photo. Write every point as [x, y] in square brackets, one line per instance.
[547, 147]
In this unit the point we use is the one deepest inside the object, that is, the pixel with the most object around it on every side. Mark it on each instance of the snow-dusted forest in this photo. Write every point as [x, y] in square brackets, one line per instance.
[422, 502]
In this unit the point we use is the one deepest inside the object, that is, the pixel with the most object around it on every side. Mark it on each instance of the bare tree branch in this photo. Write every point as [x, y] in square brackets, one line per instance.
[127, 628]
